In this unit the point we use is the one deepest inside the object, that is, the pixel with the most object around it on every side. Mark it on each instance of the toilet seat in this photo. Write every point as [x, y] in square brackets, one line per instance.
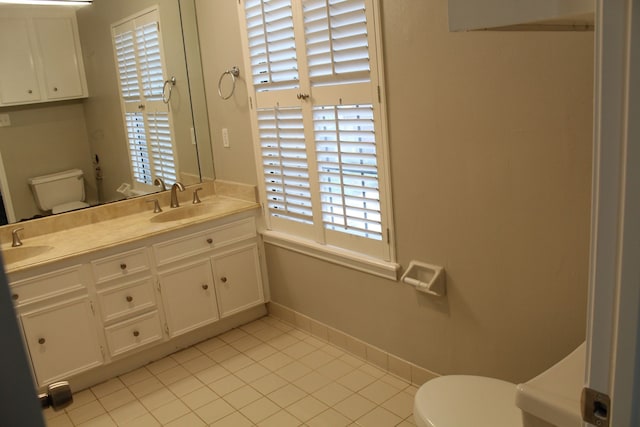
[66, 207]
[466, 401]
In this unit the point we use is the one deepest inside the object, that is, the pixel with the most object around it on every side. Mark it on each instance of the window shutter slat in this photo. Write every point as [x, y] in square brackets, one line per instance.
[272, 44]
[336, 40]
[347, 169]
[284, 158]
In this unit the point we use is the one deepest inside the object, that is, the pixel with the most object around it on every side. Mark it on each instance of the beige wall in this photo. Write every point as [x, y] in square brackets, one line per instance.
[490, 141]
[221, 49]
[43, 139]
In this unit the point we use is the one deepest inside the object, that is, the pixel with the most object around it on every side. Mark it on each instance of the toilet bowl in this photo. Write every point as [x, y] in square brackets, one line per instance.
[550, 399]
[59, 192]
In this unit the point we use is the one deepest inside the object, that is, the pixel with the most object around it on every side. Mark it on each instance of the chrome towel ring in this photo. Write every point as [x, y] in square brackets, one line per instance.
[171, 82]
[233, 72]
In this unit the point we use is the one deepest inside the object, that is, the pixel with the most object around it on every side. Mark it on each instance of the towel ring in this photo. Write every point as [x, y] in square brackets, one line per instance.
[233, 72]
[171, 82]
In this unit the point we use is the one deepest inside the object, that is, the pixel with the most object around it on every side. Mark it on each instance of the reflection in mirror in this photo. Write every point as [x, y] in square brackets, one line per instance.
[89, 133]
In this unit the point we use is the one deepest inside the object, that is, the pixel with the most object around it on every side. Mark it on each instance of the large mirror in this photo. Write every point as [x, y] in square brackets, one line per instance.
[89, 134]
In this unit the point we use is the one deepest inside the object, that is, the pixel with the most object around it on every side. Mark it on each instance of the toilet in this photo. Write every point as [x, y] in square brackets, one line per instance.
[550, 399]
[59, 192]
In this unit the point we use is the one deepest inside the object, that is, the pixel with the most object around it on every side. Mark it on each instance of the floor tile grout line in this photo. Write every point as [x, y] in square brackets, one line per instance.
[287, 337]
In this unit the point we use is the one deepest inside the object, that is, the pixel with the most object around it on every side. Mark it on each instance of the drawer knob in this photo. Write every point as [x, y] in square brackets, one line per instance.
[136, 333]
[55, 89]
[123, 266]
[223, 279]
[209, 240]
[29, 91]
[129, 298]
[205, 286]
[42, 341]
[15, 297]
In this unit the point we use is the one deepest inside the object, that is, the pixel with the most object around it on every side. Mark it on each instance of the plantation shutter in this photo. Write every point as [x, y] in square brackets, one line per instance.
[138, 49]
[314, 61]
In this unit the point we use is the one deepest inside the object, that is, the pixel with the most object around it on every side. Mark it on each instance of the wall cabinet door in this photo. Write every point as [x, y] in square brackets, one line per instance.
[18, 69]
[62, 340]
[189, 297]
[59, 54]
[237, 279]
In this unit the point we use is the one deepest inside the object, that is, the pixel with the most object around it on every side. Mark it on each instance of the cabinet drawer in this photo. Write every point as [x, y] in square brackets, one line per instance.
[130, 298]
[131, 334]
[196, 243]
[120, 265]
[47, 285]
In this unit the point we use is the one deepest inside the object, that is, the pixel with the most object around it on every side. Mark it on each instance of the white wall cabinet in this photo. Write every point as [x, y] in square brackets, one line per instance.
[109, 305]
[41, 56]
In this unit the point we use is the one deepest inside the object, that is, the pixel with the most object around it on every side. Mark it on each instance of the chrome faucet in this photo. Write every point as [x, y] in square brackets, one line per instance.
[15, 238]
[160, 182]
[174, 194]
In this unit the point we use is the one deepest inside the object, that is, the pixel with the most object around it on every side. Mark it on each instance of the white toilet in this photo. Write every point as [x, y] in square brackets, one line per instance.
[550, 399]
[59, 192]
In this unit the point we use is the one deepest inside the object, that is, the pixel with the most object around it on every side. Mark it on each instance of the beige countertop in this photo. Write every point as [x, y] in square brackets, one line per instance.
[83, 239]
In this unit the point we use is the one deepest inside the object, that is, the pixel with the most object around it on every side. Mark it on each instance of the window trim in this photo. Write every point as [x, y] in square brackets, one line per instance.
[310, 246]
[335, 255]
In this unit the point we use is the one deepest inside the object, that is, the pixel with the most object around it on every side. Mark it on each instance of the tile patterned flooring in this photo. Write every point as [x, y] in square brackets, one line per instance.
[264, 373]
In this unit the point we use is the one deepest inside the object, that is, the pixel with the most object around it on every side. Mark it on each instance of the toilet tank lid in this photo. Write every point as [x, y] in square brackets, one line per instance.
[554, 395]
[55, 176]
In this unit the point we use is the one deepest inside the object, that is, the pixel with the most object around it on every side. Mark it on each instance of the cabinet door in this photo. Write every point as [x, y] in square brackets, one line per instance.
[18, 72]
[189, 297]
[238, 279]
[62, 340]
[60, 56]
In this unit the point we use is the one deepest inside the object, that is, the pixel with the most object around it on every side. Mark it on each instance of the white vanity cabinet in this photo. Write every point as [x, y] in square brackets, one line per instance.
[41, 56]
[189, 297]
[209, 275]
[127, 300]
[59, 323]
[134, 302]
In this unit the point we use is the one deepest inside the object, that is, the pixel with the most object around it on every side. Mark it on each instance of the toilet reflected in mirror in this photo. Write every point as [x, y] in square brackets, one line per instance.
[59, 192]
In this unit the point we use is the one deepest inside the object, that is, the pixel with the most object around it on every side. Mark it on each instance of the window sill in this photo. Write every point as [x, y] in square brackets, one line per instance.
[332, 254]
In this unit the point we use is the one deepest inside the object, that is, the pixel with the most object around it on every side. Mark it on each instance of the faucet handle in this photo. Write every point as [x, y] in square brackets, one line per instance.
[196, 198]
[15, 237]
[156, 205]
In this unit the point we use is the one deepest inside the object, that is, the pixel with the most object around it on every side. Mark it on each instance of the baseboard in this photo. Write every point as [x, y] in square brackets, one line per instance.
[384, 360]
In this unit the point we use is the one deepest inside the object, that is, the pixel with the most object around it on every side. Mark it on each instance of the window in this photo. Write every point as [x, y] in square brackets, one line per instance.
[137, 45]
[319, 120]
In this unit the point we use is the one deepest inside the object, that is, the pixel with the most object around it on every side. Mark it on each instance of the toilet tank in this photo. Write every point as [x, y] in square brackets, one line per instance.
[57, 188]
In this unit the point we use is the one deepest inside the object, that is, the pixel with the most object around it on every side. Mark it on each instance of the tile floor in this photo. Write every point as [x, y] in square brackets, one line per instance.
[265, 373]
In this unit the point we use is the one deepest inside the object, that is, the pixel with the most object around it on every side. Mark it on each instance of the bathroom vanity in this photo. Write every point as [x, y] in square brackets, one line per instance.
[103, 298]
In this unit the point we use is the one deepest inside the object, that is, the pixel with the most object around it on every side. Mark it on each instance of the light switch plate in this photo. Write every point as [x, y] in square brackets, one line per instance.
[225, 137]
[5, 120]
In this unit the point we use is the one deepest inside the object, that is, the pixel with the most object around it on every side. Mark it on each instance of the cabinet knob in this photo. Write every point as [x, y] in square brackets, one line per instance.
[15, 297]
[123, 266]
[205, 286]
[209, 240]
[223, 279]
[29, 91]
[41, 341]
[55, 89]
[136, 333]
[129, 298]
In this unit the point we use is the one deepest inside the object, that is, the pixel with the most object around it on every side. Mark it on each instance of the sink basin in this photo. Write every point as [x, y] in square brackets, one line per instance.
[22, 253]
[183, 212]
